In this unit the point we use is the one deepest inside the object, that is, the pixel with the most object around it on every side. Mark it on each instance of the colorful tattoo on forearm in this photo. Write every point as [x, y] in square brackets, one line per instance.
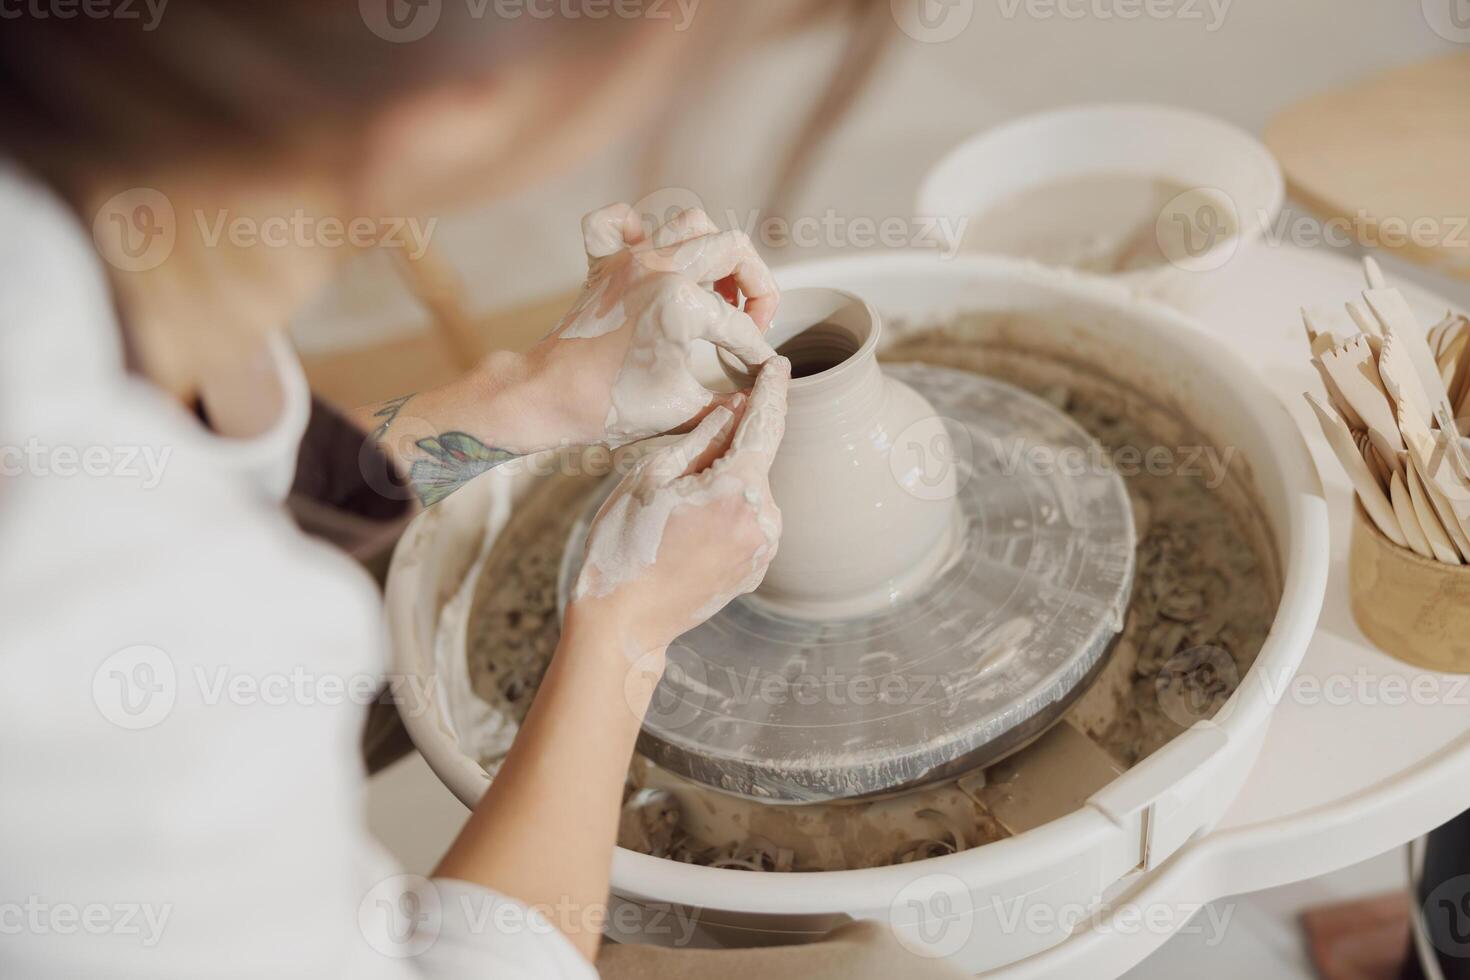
[388, 411]
[454, 458]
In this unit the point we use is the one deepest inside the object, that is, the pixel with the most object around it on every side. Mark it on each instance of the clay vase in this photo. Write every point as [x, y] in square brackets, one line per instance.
[867, 495]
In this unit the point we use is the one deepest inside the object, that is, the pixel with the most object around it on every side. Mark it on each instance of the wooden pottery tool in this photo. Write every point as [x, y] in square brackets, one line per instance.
[1340, 438]
[1403, 509]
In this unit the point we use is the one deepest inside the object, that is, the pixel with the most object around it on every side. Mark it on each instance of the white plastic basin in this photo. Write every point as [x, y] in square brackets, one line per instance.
[976, 907]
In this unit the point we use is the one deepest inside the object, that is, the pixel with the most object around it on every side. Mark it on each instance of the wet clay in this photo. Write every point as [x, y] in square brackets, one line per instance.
[1203, 600]
[650, 288]
[856, 536]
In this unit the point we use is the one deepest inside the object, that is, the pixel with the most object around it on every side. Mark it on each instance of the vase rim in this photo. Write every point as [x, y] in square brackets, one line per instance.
[802, 309]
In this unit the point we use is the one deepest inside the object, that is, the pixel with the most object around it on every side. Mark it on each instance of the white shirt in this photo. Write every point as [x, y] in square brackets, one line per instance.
[183, 677]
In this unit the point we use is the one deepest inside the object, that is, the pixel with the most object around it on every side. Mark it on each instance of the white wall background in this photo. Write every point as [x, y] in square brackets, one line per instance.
[1240, 59]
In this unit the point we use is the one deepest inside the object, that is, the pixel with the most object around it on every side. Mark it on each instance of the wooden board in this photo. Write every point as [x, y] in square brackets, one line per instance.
[1393, 148]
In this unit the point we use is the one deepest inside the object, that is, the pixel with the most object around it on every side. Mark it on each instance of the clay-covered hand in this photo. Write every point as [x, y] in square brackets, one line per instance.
[692, 526]
[621, 355]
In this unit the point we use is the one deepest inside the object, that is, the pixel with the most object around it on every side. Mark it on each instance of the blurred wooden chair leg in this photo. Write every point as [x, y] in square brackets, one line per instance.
[1361, 940]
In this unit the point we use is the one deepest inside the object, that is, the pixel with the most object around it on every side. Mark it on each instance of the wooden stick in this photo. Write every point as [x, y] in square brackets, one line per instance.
[1434, 531]
[1373, 273]
[1340, 438]
[1364, 320]
[1355, 374]
[1403, 509]
[1398, 374]
[434, 282]
[1393, 311]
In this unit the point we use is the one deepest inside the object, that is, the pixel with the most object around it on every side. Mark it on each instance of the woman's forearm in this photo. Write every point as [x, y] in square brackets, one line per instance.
[444, 437]
[545, 830]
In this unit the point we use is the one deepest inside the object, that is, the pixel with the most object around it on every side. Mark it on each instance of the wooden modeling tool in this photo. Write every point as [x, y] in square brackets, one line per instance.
[1434, 531]
[1364, 320]
[1399, 376]
[1446, 486]
[1403, 509]
[1356, 377]
[1393, 312]
[1340, 438]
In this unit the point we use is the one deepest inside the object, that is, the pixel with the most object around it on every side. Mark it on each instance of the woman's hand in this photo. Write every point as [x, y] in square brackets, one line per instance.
[621, 356]
[614, 371]
[691, 527]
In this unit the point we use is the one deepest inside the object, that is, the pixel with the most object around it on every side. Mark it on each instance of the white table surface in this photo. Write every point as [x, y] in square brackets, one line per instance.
[1356, 762]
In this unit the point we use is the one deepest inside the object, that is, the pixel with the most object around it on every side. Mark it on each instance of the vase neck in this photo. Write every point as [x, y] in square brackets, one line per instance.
[846, 398]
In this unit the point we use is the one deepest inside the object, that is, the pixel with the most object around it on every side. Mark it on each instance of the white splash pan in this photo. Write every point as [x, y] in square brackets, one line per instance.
[1194, 150]
[964, 905]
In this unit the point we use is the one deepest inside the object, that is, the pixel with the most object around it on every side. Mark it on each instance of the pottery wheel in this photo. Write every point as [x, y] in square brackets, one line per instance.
[983, 660]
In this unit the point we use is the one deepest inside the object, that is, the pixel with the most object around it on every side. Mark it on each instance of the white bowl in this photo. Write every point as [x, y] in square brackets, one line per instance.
[1217, 162]
[1131, 826]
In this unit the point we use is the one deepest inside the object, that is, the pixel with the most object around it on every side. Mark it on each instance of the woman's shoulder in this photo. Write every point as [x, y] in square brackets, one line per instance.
[58, 328]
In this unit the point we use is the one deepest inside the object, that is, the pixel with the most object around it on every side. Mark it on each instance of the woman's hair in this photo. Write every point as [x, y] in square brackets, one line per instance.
[252, 77]
[219, 76]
